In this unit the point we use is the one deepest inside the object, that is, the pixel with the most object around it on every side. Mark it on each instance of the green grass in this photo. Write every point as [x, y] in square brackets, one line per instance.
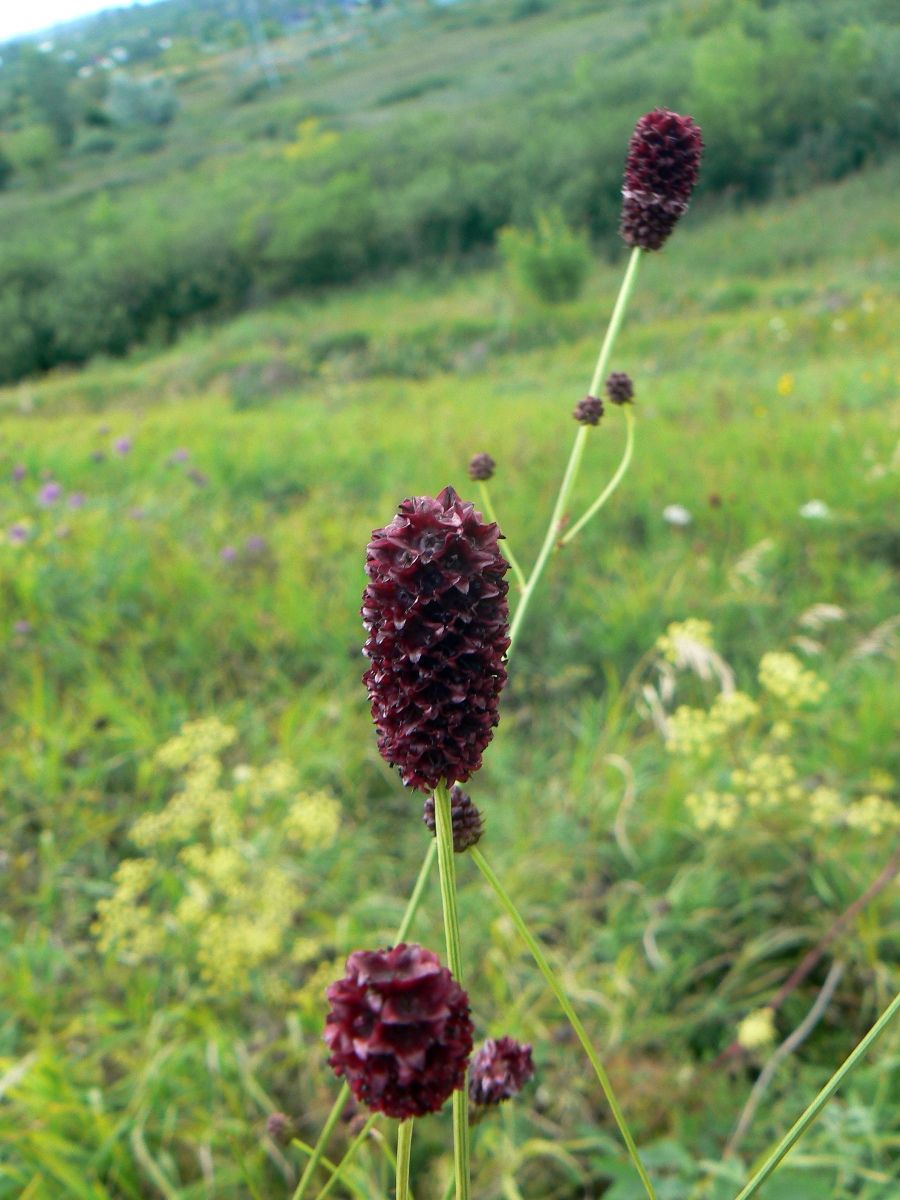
[760, 344]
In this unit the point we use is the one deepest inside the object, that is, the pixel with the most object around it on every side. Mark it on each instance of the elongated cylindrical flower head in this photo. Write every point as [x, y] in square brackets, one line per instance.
[437, 618]
[399, 1030]
[481, 466]
[500, 1069]
[465, 818]
[660, 173]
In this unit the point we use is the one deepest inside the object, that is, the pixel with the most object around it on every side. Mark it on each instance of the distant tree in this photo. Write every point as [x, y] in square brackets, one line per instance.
[33, 151]
[45, 83]
[141, 101]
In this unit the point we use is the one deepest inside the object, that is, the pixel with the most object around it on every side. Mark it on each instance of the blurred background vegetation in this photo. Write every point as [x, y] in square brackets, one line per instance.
[160, 169]
[267, 268]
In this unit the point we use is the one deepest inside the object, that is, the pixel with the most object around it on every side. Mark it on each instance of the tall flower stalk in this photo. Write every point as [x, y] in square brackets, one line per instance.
[438, 638]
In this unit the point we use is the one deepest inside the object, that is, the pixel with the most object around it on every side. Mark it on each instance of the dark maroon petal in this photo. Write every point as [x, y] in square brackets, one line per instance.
[436, 615]
[399, 1030]
[660, 173]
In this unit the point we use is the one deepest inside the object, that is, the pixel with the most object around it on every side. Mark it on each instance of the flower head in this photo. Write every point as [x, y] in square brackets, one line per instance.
[49, 493]
[466, 820]
[19, 472]
[481, 466]
[399, 1030]
[436, 615]
[500, 1069]
[619, 387]
[122, 445]
[660, 172]
[588, 411]
[279, 1127]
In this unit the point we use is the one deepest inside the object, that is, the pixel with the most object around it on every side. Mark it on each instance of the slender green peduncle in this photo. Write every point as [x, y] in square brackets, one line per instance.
[611, 486]
[338, 1173]
[488, 510]
[404, 1150]
[557, 988]
[797, 1130]
[447, 870]
[574, 463]
[343, 1095]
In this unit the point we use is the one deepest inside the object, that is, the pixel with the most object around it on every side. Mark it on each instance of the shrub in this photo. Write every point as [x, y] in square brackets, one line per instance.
[551, 260]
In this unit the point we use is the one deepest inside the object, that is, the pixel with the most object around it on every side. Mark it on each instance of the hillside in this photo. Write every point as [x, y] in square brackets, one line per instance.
[195, 181]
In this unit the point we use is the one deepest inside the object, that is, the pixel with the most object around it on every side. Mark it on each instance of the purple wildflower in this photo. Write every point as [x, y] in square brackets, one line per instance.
[22, 628]
[77, 499]
[255, 544]
[228, 554]
[19, 472]
[122, 445]
[178, 456]
[49, 493]
[18, 533]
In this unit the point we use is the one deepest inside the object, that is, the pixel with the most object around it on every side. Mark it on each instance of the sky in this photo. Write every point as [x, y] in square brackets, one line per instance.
[33, 15]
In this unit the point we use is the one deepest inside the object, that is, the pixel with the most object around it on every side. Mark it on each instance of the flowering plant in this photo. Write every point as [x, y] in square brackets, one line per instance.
[439, 637]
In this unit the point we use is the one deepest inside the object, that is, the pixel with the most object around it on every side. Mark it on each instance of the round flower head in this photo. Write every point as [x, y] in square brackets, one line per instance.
[399, 1030]
[500, 1069]
[619, 387]
[588, 411]
[660, 172]
[481, 466]
[436, 614]
[465, 818]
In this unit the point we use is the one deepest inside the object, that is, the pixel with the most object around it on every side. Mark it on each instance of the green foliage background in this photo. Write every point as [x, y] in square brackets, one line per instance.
[762, 343]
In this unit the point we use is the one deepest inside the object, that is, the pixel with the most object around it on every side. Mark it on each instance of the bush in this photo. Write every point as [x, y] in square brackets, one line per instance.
[552, 261]
[141, 101]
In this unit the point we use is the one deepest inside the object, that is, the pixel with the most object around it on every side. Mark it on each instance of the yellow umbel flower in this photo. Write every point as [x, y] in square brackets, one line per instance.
[757, 1030]
[784, 675]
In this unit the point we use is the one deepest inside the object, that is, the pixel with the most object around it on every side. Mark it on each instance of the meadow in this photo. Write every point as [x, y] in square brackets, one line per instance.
[235, 337]
[201, 560]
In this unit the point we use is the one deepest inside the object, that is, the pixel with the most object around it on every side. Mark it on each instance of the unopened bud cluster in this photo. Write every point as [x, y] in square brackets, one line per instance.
[465, 817]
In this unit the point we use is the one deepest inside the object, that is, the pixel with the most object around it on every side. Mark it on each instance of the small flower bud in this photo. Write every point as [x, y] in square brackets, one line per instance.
[660, 173]
[481, 466]
[589, 410]
[279, 1127]
[499, 1070]
[466, 819]
[436, 614]
[399, 1030]
[619, 388]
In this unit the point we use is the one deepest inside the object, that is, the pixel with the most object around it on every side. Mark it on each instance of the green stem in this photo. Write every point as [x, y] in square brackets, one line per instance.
[557, 988]
[344, 1094]
[806, 1119]
[412, 905]
[577, 453]
[488, 510]
[611, 486]
[337, 1175]
[404, 1150]
[447, 869]
[334, 1168]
